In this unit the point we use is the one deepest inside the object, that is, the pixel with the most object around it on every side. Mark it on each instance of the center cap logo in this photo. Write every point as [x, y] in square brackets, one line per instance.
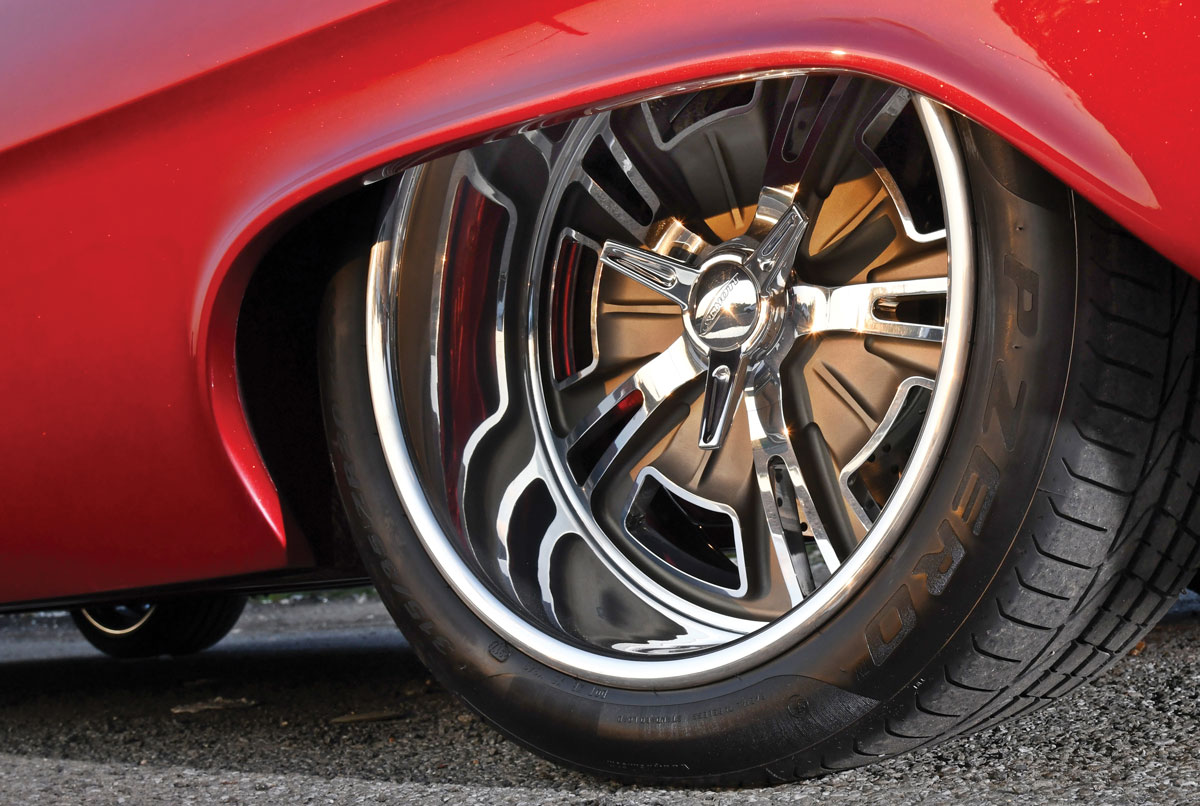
[717, 306]
[724, 308]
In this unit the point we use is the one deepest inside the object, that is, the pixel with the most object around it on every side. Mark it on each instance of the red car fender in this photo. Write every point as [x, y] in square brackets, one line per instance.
[151, 152]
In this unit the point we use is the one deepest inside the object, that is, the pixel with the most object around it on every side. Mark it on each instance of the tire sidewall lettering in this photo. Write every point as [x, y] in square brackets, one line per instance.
[1019, 288]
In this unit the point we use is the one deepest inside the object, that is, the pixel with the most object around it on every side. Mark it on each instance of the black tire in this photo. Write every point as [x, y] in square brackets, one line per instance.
[1060, 525]
[172, 627]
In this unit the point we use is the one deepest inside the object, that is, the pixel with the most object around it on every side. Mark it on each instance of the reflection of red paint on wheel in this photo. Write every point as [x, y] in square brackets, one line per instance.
[466, 339]
[570, 312]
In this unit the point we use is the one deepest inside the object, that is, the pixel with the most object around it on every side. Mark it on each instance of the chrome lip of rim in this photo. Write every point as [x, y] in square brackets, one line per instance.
[109, 630]
[752, 649]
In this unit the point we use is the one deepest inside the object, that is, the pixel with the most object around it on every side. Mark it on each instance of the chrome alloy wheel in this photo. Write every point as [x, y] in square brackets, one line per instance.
[660, 388]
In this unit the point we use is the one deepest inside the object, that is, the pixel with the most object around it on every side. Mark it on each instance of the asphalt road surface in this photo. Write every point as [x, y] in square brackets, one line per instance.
[324, 703]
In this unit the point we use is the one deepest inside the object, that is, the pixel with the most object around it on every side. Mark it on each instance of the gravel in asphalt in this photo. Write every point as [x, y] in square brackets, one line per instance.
[315, 703]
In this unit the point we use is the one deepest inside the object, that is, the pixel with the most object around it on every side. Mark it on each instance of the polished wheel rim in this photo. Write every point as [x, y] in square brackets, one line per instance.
[689, 367]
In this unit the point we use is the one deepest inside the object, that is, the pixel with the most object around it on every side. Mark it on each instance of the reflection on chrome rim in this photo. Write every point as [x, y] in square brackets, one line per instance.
[688, 369]
[118, 619]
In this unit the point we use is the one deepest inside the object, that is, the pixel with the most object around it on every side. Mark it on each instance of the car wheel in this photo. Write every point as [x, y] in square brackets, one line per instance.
[171, 627]
[761, 430]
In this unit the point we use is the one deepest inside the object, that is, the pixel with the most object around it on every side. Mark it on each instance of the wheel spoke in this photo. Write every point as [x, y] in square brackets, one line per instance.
[875, 309]
[679, 242]
[715, 535]
[670, 277]
[574, 290]
[861, 307]
[870, 134]
[612, 427]
[559, 528]
[723, 386]
[791, 515]
[772, 261]
[811, 145]
[609, 176]
[529, 474]
[799, 110]
[864, 507]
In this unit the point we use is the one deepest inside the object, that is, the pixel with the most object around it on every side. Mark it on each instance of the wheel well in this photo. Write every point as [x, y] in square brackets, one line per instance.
[276, 354]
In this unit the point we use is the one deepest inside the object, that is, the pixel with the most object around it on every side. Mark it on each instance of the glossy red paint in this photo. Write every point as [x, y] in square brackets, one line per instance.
[151, 149]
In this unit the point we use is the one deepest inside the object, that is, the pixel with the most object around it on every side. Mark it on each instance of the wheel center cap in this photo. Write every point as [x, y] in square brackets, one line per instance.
[724, 306]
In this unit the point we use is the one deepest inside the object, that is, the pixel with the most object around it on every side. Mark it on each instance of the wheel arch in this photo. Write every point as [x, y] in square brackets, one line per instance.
[405, 111]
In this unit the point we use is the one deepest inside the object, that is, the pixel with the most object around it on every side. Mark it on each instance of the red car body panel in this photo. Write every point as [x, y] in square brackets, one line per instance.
[150, 151]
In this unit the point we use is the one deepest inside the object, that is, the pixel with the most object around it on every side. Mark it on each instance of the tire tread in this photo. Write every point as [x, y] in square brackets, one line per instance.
[1118, 555]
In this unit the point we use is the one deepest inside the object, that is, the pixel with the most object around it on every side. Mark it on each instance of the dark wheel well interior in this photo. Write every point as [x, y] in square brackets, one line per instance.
[277, 364]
